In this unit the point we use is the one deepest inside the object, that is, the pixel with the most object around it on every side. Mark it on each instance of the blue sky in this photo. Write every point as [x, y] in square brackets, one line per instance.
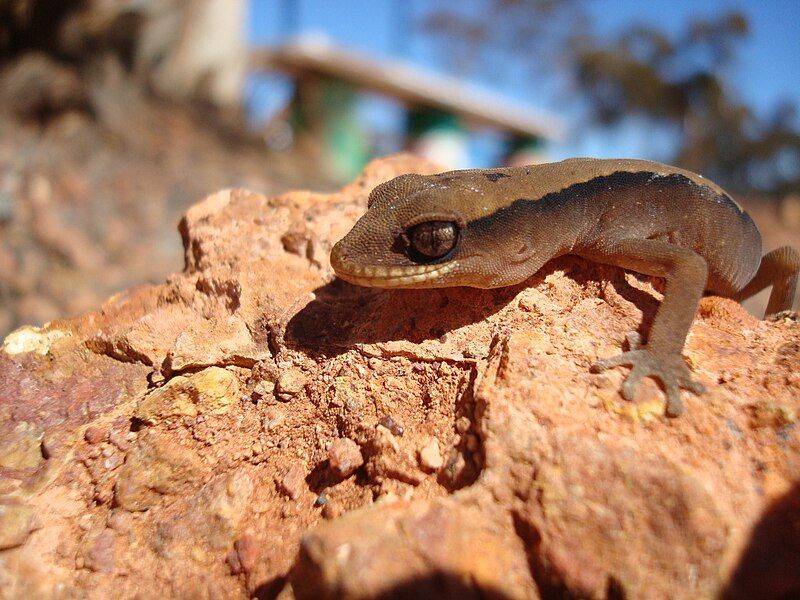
[767, 67]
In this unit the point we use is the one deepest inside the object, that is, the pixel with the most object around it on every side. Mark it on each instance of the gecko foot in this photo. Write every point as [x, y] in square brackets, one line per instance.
[667, 368]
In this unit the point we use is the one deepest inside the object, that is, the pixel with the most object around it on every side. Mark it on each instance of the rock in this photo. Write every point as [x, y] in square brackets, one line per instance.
[217, 390]
[119, 520]
[211, 391]
[565, 508]
[120, 434]
[388, 460]
[95, 434]
[290, 383]
[430, 457]
[392, 425]
[273, 419]
[212, 517]
[293, 483]
[17, 521]
[22, 448]
[232, 558]
[246, 551]
[145, 338]
[332, 510]
[345, 457]
[216, 341]
[101, 554]
[155, 466]
[176, 398]
[32, 339]
[546, 480]
[422, 550]
[223, 504]
[59, 391]
[263, 378]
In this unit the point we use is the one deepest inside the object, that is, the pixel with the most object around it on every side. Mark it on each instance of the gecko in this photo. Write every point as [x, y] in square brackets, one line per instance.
[488, 228]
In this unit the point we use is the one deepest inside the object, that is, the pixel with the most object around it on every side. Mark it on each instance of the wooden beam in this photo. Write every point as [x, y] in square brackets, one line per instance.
[408, 84]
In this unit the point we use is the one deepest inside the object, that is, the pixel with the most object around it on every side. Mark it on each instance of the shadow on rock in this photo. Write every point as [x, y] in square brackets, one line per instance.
[434, 586]
[770, 565]
[343, 314]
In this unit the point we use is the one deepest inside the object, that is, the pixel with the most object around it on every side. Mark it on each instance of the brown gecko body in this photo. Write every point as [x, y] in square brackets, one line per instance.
[495, 227]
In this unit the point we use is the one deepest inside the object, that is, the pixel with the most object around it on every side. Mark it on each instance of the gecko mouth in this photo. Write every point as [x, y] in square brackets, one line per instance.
[380, 276]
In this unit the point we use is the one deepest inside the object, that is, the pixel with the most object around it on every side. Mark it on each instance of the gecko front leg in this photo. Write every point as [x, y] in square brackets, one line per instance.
[685, 274]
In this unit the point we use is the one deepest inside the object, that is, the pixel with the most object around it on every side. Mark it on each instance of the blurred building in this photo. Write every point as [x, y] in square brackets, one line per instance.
[441, 111]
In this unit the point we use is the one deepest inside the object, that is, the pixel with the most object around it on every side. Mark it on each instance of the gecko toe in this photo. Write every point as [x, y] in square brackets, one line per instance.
[632, 381]
[668, 368]
[693, 386]
[619, 360]
[634, 340]
[674, 403]
[599, 366]
[631, 358]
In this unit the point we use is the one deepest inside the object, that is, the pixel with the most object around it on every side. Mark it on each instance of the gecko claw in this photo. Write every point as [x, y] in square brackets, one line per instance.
[669, 369]
[634, 340]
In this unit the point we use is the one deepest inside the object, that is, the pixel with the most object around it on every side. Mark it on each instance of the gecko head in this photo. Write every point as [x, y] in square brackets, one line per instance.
[423, 232]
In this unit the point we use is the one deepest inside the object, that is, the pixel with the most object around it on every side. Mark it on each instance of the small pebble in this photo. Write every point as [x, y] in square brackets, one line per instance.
[272, 420]
[247, 552]
[332, 510]
[119, 439]
[101, 555]
[293, 483]
[94, 434]
[430, 457]
[113, 461]
[392, 425]
[290, 384]
[235, 566]
[119, 520]
[462, 424]
[345, 456]
[50, 445]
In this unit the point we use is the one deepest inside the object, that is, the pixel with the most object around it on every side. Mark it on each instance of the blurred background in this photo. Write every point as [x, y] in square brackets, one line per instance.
[116, 115]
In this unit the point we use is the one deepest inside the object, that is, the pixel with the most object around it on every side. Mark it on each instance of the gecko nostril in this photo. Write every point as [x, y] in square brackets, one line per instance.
[338, 256]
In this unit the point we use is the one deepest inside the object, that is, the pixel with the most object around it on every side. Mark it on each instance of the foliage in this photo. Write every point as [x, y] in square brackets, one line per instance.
[679, 82]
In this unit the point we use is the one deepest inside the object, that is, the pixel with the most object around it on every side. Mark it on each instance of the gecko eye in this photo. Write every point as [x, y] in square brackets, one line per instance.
[433, 239]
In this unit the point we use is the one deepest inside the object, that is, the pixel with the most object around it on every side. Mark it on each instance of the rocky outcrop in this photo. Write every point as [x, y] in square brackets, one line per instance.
[255, 427]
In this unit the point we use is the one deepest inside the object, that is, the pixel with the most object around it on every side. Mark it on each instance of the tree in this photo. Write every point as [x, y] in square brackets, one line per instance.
[675, 82]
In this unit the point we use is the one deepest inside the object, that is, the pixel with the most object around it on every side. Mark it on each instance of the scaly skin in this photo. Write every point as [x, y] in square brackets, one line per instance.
[489, 228]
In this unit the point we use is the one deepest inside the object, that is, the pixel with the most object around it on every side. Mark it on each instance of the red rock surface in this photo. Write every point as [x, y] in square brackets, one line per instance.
[178, 442]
